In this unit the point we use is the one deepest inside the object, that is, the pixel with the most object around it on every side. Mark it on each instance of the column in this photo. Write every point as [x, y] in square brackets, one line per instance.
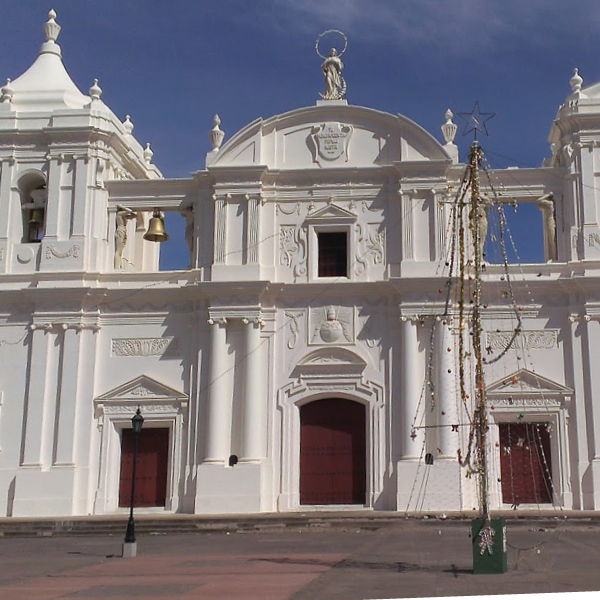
[219, 402]
[67, 399]
[446, 399]
[36, 391]
[412, 440]
[254, 424]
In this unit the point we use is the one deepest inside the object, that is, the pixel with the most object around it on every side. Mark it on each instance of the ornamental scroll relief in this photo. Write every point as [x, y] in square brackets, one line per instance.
[371, 247]
[531, 340]
[292, 246]
[145, 346]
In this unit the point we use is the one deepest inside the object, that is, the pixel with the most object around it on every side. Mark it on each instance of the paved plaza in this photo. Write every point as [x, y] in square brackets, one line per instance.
[411, 558]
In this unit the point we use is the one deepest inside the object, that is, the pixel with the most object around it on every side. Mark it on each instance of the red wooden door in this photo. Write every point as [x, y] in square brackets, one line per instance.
[525, 463]
[332, 452]
[152, 463]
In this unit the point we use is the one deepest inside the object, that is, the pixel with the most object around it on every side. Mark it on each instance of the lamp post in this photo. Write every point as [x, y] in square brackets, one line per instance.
[129, 546]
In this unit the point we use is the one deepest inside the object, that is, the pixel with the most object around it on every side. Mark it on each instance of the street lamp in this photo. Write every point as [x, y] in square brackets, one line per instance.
[129, 547]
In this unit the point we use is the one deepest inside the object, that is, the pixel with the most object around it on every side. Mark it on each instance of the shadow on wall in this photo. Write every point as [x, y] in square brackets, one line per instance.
[10, 500]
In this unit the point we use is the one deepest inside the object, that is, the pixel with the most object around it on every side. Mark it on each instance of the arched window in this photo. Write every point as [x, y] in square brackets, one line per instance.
[34, 197]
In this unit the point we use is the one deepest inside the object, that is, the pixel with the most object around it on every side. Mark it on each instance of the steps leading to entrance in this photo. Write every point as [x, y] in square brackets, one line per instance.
[148, 524]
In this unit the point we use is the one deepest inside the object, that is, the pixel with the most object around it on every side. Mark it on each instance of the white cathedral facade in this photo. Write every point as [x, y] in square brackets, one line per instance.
[289, 368]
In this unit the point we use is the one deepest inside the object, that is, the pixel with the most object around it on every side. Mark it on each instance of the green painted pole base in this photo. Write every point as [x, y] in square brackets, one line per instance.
[489, 546]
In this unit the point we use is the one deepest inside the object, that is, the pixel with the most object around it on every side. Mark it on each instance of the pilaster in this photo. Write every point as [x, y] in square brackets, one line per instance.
[42, 341]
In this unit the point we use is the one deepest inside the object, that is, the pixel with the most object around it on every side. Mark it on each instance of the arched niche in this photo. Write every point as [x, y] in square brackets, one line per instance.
[33, 195]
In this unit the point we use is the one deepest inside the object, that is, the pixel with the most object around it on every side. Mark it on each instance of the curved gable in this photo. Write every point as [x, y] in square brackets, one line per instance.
[330, 135]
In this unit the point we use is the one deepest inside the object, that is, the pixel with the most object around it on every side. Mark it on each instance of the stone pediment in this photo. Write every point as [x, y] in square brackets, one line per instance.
[339, 136]
[142, 388]
[526, 383]
[332, 212]
[329, 361]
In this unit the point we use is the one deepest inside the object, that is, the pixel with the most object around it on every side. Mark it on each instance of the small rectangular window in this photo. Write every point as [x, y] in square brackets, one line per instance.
[333, 253]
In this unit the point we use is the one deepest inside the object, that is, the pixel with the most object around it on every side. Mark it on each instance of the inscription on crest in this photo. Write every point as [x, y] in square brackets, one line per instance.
[331, 141]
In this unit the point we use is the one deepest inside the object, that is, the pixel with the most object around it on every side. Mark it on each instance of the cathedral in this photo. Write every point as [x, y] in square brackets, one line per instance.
[307, 358]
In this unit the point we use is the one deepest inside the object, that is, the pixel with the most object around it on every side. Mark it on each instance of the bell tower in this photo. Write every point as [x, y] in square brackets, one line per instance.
[58, 146]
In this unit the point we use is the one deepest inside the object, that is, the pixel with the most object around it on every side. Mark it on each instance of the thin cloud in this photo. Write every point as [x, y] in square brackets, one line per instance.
[455, 26]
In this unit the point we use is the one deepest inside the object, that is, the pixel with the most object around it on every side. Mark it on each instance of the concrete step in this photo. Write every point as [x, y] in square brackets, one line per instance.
[157, 524]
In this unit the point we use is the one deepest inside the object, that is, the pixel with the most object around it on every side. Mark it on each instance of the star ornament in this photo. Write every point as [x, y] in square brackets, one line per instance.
[475, 120]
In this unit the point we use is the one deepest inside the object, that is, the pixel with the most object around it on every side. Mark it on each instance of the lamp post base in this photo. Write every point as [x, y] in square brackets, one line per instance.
[129, 550]
[489, 546]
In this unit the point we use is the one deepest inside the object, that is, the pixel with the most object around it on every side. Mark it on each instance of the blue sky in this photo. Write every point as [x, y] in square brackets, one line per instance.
[173, 65]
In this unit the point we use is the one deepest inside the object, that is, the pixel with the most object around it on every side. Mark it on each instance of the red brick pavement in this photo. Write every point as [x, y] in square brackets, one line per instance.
[251, 577]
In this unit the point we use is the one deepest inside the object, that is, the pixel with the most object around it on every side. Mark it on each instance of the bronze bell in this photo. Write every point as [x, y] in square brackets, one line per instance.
[36, 216]
[156, 228]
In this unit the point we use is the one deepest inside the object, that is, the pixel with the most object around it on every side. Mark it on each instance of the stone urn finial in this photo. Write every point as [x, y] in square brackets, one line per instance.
[576, 81]
[148, 154]
[449, 128]
[216, 134]
[95, 91]
[51, 27]
[128, 125]
[7, 92]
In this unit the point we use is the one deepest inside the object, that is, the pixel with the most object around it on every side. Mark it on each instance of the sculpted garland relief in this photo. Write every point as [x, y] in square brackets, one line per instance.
[144, 346]
[532, 340]
[73, 252]
[293, 316]
[532, 402]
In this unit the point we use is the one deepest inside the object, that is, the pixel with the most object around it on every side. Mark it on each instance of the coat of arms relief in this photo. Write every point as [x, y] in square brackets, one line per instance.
[331, 325]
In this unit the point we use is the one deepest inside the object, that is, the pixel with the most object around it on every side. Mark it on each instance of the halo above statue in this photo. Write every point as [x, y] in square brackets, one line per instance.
[326, 33]
[335, 85]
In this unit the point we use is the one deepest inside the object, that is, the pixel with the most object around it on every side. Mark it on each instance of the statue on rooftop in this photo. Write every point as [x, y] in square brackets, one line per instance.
[335, 85]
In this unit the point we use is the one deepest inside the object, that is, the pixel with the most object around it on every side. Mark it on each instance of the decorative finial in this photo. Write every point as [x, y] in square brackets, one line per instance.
[576, 81]
[7, 92]
[51, 27]
[449, 128]
[95, 91]
[148, 154]
[476, 120]
[216, 134]
[335, 84]
[128, 125]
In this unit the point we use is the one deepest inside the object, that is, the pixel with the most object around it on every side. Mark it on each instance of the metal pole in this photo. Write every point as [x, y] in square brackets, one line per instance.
[130, 532]
[477, 213]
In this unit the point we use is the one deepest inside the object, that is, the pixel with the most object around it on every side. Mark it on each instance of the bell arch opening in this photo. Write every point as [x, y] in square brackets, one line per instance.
[34, 197]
